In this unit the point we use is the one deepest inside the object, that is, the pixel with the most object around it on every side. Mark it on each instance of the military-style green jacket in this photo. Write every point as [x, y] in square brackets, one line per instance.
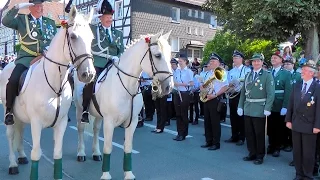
[257, 95]
[283, 88]
[102, 48]
[295, 77]
[32, 41]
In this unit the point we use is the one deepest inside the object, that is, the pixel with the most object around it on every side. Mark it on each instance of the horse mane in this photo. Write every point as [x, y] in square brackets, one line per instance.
[135, 41]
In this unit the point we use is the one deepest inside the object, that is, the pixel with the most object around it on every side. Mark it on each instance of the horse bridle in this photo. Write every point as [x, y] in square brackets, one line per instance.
[73, 56]
[154, 72]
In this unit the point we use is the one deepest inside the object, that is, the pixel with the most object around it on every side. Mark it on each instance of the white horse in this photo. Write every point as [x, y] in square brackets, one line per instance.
[46, 100]
[119, 99]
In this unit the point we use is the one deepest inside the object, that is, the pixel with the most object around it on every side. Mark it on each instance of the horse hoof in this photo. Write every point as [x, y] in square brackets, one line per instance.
[13, 170]
[97, 157]
[23, 160]
[81, 158]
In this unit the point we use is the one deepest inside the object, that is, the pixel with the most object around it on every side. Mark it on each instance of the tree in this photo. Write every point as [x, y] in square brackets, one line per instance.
[224, 43]
[271, 19]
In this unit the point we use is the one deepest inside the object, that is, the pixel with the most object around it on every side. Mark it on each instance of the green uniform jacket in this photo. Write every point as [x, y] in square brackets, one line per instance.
[260, 88]
[295, 77]
[102, 48]
[283, 88]
[32, 41]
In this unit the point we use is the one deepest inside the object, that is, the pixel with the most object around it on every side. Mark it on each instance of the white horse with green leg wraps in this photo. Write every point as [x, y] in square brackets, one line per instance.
[119, 99]
[46, 99]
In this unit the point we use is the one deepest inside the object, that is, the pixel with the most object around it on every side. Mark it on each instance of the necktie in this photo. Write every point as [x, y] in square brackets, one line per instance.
[39, 26]
[304, 90]
[108, 35]
[255, 75]
[273, 72]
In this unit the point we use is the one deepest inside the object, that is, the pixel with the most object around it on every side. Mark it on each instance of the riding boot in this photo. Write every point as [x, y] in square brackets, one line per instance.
[87, 94]
[10, 97]
[9, 117]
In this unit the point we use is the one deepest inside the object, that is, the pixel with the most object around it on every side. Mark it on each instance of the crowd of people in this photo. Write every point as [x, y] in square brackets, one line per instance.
[6, 60]
[276, 104]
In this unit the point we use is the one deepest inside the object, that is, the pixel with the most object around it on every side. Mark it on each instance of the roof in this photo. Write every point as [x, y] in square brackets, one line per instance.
[52, 10]
[194, 2]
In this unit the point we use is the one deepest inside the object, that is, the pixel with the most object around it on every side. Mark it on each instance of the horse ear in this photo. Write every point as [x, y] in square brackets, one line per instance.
[90, 15]
[73, 13]
[166, 36]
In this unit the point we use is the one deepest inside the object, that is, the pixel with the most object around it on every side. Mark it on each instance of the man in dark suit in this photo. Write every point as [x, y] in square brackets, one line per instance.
[303, 118]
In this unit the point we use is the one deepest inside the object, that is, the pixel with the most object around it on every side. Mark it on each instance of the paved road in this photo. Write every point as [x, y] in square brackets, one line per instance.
[158, 157]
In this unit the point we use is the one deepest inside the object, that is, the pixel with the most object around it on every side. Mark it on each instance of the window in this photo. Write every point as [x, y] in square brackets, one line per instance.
[196, 13]
[194, 53]
[190, 12]
[213, 21]
[175, 14]
[202, 32]
[118, 10]
[189, 30]
[175, 44]
[196, 31]
[202, 15]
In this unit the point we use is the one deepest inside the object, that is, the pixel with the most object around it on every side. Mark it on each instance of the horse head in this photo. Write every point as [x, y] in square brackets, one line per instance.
[157, 63]
[78, 39]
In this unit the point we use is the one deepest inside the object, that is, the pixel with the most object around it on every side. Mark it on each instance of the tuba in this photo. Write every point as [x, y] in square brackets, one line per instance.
[219, 74]
[234, 88]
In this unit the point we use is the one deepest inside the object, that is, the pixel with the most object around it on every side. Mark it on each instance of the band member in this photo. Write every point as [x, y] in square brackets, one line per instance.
[195, 90]
[203, 74]
[211, 114]
[256, 99]
[278, 135]
[183, 80]
[236, 75]
[303, 119]
[162, 114]
[36, 32]
[107, 45]
[174, 66]
[147, 96]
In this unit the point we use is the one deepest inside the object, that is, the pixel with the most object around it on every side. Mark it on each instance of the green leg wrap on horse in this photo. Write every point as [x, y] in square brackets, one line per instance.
[127, 162]
[34, 170]
[57, 169]
[106, 163]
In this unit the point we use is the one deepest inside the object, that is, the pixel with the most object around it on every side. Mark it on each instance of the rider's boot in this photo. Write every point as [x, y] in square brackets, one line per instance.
[87, 91]
[85, 116]
[9, 117]
[10, 97]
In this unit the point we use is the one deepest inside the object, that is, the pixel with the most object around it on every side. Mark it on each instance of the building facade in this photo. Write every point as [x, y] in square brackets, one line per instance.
[9, 38]
[191, 26]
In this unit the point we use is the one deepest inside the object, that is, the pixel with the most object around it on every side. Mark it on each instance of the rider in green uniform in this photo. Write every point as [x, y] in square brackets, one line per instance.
[107, 45]
[36, 33]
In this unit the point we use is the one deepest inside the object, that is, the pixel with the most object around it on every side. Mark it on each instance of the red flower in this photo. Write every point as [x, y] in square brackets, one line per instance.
[64, 23]
[147, 39]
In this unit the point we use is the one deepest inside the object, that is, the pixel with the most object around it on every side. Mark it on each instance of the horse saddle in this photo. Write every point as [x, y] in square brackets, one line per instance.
[25, 77]
[102, 77]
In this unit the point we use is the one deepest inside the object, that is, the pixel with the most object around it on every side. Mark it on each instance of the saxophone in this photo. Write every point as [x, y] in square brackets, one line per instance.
[219, 74]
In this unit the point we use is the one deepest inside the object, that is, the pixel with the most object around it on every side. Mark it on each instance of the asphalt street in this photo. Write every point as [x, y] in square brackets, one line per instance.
[155, 157]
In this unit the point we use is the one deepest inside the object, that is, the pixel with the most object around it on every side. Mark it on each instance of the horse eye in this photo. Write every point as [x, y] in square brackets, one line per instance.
[158, 55]
[73, 36]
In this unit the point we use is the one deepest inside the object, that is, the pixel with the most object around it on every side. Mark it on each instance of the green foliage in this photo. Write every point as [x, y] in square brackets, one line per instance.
[266, 19]
[224, 43]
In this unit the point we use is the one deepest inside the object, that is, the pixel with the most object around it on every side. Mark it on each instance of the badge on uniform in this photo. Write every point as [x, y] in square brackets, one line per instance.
[261, 87]
[258, 80]
[34, 34]
[271, 83]
[34, 26]
[312, 100]
[278, 83]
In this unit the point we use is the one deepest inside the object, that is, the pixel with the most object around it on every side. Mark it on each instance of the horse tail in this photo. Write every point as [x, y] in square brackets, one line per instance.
[17, 134]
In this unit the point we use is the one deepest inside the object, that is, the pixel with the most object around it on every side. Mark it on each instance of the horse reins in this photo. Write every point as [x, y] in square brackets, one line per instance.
[154, 71]
[74, 59]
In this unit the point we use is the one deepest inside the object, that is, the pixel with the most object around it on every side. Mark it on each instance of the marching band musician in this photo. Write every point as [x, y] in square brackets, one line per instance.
[147, 96]
[36, 32]
[183, 80]
[195, 98]
[211, 114]
[203, 75]
[237, 122]
[277, 131]
[303, 119]
[256, 98]
[172, 112]
[107, 45]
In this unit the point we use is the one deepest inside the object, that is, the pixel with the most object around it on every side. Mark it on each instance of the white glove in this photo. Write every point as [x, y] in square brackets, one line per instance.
[267, 113]
[23, 5]
[115, 59]
[240, 111]
[283, 111]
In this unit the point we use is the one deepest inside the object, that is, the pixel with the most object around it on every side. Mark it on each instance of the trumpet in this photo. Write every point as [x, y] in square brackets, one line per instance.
[219, 74]
[155, 90]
